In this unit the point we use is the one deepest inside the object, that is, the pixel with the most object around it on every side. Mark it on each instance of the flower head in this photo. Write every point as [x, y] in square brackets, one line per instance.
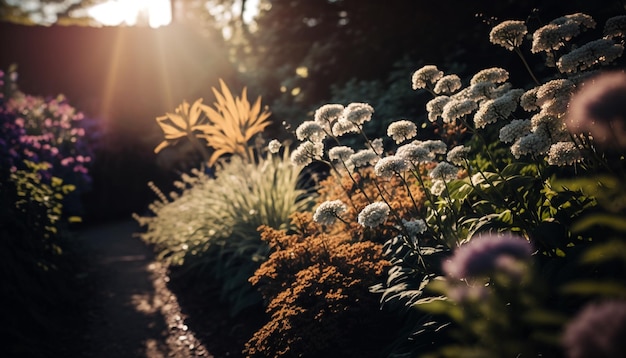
[553, 36]
[598, 108]
[458, 155]
[328, 212]
[274, 146]
[377, 145]
[598, 330]
[414, 153]
[373, 214]
[493, 75]
[327, 114]
[343, 126]
[535, 143]
[358, 113]
[402, 130]
[499, 108]
[447, 84]
[508, 34]
[435, 107]
[340, 153]
[306, 152]
[438, 187]
[434, 146]
[364, 157]
[515, 130]
[601, 51]
[483, 255]
[444, 171]
[390, 166]
[428, 74]
[455, 109]
[414, 227]
[564, 153]
[310, 130]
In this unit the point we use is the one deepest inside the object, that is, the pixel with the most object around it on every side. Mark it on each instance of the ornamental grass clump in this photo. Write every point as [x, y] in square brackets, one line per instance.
[209, 225]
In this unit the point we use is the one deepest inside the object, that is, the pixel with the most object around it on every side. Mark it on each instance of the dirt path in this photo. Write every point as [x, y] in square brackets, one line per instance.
[133, 313]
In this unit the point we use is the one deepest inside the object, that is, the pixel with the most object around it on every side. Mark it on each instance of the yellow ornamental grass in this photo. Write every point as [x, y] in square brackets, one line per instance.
[227, 128]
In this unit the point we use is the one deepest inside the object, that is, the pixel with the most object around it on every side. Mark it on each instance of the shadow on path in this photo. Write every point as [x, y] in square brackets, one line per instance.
[132, 313]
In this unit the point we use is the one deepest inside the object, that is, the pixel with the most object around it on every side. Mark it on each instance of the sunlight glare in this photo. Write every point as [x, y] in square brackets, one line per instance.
[129, 12]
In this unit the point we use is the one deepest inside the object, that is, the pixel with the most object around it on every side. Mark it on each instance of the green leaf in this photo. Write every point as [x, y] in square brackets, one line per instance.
[615, 222]
[615, 249]
[592, 288]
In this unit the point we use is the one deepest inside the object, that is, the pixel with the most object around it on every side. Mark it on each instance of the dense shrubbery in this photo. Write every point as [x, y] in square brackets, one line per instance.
[43, 161]
[502, 237]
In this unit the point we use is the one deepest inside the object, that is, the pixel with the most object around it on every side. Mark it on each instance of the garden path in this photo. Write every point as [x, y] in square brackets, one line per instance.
[132, 312]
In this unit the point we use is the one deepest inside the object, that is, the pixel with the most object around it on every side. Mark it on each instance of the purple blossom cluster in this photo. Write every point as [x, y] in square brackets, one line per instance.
[485, 254]
[44, 130]
[597, 331]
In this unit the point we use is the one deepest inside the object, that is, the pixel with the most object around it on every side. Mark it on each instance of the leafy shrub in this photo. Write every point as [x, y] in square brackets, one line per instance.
[316, 280]
[37, 261]
[540, 179]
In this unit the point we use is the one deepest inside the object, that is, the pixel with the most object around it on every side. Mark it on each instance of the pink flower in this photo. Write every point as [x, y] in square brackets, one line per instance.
[597, 331]
[599, 109]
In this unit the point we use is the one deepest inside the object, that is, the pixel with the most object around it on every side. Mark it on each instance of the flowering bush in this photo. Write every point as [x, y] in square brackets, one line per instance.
[40, 141]
[526, 163]
[315, 281]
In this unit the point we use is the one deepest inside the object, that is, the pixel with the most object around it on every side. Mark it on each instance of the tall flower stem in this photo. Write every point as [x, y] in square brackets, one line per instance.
[521, 56]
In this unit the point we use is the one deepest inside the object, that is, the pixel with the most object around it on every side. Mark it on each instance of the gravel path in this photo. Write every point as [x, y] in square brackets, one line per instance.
[133, 313]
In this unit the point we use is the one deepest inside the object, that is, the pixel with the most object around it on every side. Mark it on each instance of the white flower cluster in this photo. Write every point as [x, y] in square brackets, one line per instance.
[508, 34]
[414, 228]
[516, 129]
[402, 130]
[274, 146]
[444, 171]
[328, 212]
[374, 214]
[492, 75]
[601, 51]
[327, 114]
[311, 131]
[536, 143]
[340, 153]
[456, 109]
[564, 153]
[306, 152]
[389, 166]
[458, 155]
[553, 96]
[499, 108]
[435, 107]
[426, 75]
[364, 157]
[558, 32]
[447, 84]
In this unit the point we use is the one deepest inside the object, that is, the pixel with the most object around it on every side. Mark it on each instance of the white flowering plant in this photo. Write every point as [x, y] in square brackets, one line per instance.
[528, 164]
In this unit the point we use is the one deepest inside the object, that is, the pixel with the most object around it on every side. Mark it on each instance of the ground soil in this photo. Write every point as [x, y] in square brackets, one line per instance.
[134, 308]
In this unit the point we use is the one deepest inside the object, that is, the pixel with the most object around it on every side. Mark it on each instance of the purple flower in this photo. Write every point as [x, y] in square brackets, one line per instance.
[599, 330]
[598, 108]
[486, 253]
